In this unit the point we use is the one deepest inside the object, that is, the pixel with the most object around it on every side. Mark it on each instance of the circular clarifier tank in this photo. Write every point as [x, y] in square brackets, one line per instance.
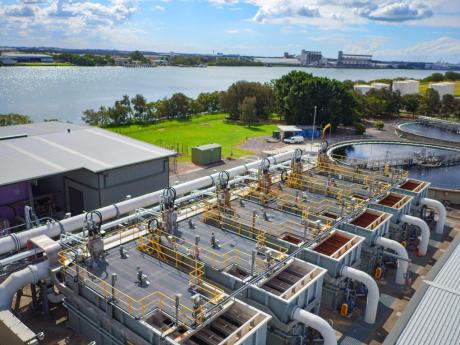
[446, 177]
[446, 133]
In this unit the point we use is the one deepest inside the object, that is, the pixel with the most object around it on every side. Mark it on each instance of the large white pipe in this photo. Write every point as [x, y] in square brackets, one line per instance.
[424, 235]
[15, 242]
[403, 265]
[317, 323]
[32, 274]
[437, 206]
[373, 294]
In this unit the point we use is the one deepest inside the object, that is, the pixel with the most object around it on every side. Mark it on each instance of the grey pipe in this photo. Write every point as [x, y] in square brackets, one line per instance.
[14, 242]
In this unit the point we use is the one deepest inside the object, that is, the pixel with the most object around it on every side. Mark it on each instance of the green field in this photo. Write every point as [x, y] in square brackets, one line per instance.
[424, 85]
[182, 135]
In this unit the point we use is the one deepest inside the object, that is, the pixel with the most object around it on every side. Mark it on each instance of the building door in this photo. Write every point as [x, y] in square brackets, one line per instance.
[76, 201]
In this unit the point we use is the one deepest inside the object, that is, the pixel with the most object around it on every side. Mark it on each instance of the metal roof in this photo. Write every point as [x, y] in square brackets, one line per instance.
[287, 128]
[433, 314]
[58, 151]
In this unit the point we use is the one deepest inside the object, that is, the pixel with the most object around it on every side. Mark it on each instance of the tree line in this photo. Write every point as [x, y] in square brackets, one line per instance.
[294, 97]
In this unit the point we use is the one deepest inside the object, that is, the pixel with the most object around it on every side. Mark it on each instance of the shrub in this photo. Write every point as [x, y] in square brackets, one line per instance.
[379, 125]
[360, 128]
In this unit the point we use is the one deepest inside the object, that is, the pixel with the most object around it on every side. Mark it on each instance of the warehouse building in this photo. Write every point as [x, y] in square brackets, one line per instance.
[13, 58]
[60, 167]
[353, 60]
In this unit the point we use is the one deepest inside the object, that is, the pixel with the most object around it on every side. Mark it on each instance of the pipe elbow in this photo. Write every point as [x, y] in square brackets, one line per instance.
[373, 293]
[403, 265]
[439, 207]
[424, 234]
[316, 322]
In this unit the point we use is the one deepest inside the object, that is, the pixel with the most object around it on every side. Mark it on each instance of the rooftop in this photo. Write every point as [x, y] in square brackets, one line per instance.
[432, 316]
[44, 149]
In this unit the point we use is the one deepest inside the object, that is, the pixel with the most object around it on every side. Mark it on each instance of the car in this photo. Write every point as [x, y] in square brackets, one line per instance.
[298, 139]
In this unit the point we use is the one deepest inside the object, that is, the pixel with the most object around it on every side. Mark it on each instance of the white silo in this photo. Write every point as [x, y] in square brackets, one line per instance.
[362, 88]
[443, 88]
[406, 87]
[379, 86]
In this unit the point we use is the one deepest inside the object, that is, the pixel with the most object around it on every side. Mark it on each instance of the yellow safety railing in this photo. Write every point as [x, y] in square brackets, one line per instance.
[156, 299]
[207, 256]
[356, 175]
[242, 226]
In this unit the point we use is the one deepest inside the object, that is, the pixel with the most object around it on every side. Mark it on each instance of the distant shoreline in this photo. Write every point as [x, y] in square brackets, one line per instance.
[251, 66]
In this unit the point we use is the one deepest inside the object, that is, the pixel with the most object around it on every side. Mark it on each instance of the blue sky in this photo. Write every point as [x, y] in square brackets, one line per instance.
[418, 30]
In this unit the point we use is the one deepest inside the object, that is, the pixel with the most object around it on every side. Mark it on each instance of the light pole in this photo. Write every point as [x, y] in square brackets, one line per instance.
[313, 130]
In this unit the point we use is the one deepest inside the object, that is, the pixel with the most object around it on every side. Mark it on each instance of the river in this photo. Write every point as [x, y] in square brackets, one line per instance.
[65, 92]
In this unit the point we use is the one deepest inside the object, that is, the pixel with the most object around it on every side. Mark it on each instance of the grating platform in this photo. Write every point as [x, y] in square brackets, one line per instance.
[165, 281]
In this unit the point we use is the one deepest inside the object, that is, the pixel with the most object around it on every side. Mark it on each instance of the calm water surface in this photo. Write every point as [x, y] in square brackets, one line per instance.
[65, 92]
[431, 132]
[442, 177]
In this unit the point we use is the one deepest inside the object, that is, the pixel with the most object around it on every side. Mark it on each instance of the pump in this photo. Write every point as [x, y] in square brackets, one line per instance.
[92, 225]
[265, 180]
[296, 163]
[222, 190]
[322, 153]
[169, 211]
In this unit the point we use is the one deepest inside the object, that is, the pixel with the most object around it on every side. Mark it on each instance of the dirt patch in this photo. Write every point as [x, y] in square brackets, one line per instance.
[259, 144]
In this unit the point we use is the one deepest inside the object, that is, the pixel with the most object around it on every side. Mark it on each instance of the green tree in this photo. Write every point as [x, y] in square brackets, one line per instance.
[410, 103]
[435, 77]
[180, 105]
[139, 104]
[430, 104]
[126, 103]
[451, 75]
[447, 105]
[138, 56]
[14, 119]
[118, 114]
[249, 110]
[379, 125]
[207, 102]
[382, 103]
[162, 109]
[457, 108]
[297, 93]
[232, 99]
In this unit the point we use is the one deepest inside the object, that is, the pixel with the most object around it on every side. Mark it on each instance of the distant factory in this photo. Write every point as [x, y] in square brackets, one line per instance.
[344, 60]
[12, 58]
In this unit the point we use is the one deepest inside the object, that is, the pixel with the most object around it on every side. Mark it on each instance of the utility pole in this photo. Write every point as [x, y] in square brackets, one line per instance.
[313, 130]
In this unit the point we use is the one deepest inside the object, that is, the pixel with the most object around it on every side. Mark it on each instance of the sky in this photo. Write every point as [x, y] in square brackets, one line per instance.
[415, 30]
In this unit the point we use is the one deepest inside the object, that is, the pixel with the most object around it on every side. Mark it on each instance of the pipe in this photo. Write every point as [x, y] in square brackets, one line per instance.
[437, 206]
[32, 274]
[372, 291]
[317, 323]
[425, 232]
[14, 242]
[403, 263]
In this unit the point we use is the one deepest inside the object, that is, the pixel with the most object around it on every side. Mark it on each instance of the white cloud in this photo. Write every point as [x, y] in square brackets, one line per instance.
[66, 15]
[159, 8]
[232, 31]
[346, 12]
[441, 49]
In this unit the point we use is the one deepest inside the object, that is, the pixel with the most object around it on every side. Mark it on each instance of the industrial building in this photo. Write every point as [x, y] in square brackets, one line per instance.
[354, 60]
[12, 58]
[307, 58]
[57, 168]
[406, 87]
[252, 255]
[363, 89]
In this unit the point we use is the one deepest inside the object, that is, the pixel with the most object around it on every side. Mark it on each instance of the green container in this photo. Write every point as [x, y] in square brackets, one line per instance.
[207, 154]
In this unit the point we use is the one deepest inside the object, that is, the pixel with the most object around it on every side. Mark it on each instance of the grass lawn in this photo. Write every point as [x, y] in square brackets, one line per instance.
[424, 86]
[182, 135]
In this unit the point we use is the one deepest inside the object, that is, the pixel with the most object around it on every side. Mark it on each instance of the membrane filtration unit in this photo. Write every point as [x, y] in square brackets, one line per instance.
[251, 255]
